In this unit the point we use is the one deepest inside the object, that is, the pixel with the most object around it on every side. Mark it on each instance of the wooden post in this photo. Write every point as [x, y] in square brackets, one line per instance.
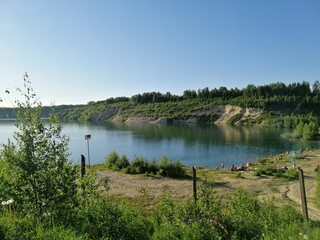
[303, 195]
[194, 178]
[83, 166]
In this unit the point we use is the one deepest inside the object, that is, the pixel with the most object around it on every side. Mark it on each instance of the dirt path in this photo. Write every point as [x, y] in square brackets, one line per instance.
[225, 183]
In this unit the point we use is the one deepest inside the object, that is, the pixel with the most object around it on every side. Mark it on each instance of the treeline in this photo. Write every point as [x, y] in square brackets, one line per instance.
[276, 96]
[294, 90]
[290, 92]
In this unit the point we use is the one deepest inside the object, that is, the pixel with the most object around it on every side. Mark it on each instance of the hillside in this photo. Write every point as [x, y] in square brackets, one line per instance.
[267, 105]
[276, 104]
[219, 115]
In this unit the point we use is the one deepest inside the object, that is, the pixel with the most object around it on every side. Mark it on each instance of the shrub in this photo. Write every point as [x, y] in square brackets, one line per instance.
[171, 169]
[280, 222]
[152, 167]
[42, 177]
[243, 216]
[111, 159]
[122, 162]
[104, 220]
[138, 165]
[262, 160]
[290, 174]
[310, 131]
[166, 219]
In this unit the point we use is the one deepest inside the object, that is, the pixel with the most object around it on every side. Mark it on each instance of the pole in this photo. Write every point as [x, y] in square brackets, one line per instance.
[82, 166]
[194, 178]
[88, 137]
[88, 152]
[303, 195]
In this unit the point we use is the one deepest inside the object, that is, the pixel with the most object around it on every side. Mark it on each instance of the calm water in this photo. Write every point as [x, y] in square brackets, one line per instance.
[191, 144]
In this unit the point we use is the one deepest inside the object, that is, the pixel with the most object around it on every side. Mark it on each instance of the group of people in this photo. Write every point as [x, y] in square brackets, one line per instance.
[233, 167]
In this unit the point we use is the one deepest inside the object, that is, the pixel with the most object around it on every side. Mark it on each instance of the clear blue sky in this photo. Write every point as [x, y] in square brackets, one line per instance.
[76, 51]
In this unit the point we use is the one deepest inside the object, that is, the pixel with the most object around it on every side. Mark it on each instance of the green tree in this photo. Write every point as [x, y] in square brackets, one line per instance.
[298, 131]
[43, 180]
[310, 131]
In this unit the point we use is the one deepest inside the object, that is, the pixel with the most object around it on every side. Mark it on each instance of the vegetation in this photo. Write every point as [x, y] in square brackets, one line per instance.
[35, 170]
[241, 217]
[290, 174]
[139, 165]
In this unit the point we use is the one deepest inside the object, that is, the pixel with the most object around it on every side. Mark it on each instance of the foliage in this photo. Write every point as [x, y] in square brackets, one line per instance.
[240, 217]
[139, 165]
[310, 130]
[122, 162]
[262, 160]
[114, 161]
[104, 220]
[242, 212]
[31, 229]
[170, 169]
[88, 187]
[290, 174]
[42, 180]
[111, 159]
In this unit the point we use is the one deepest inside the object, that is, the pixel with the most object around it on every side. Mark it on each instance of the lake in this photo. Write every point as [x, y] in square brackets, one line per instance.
[193, 145]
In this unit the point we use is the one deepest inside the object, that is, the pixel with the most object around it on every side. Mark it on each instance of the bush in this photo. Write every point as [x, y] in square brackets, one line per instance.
[104, 220]
[138, 166]
[262, 160]
[152, 167]
[170, 169]
[122, 162]
[243, 216]
[290, 174]
[40, 179]
[111, 159]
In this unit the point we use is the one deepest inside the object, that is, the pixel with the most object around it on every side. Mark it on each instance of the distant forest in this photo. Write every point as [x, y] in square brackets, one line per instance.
[291, 92]
[302, 97]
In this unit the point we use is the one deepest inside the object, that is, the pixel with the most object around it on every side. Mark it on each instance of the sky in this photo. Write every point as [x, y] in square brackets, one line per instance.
[77, 51]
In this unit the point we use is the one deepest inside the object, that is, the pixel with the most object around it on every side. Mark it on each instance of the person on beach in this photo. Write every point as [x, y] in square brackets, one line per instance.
[294, 163]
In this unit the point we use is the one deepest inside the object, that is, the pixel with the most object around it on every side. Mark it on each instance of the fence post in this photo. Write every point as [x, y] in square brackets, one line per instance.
[194, 178]
[303, 195]
[83, 166]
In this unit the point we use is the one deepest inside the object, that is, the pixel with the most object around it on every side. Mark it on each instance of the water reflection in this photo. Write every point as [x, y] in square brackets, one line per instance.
[199, 145]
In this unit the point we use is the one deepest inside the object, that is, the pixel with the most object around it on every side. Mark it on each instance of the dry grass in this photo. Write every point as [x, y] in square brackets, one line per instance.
[143, 192]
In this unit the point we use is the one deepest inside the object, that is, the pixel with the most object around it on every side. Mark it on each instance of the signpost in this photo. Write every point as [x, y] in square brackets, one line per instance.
[88, 137]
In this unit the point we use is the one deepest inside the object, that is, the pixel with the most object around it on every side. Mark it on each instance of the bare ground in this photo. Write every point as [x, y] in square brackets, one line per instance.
[225, 183]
